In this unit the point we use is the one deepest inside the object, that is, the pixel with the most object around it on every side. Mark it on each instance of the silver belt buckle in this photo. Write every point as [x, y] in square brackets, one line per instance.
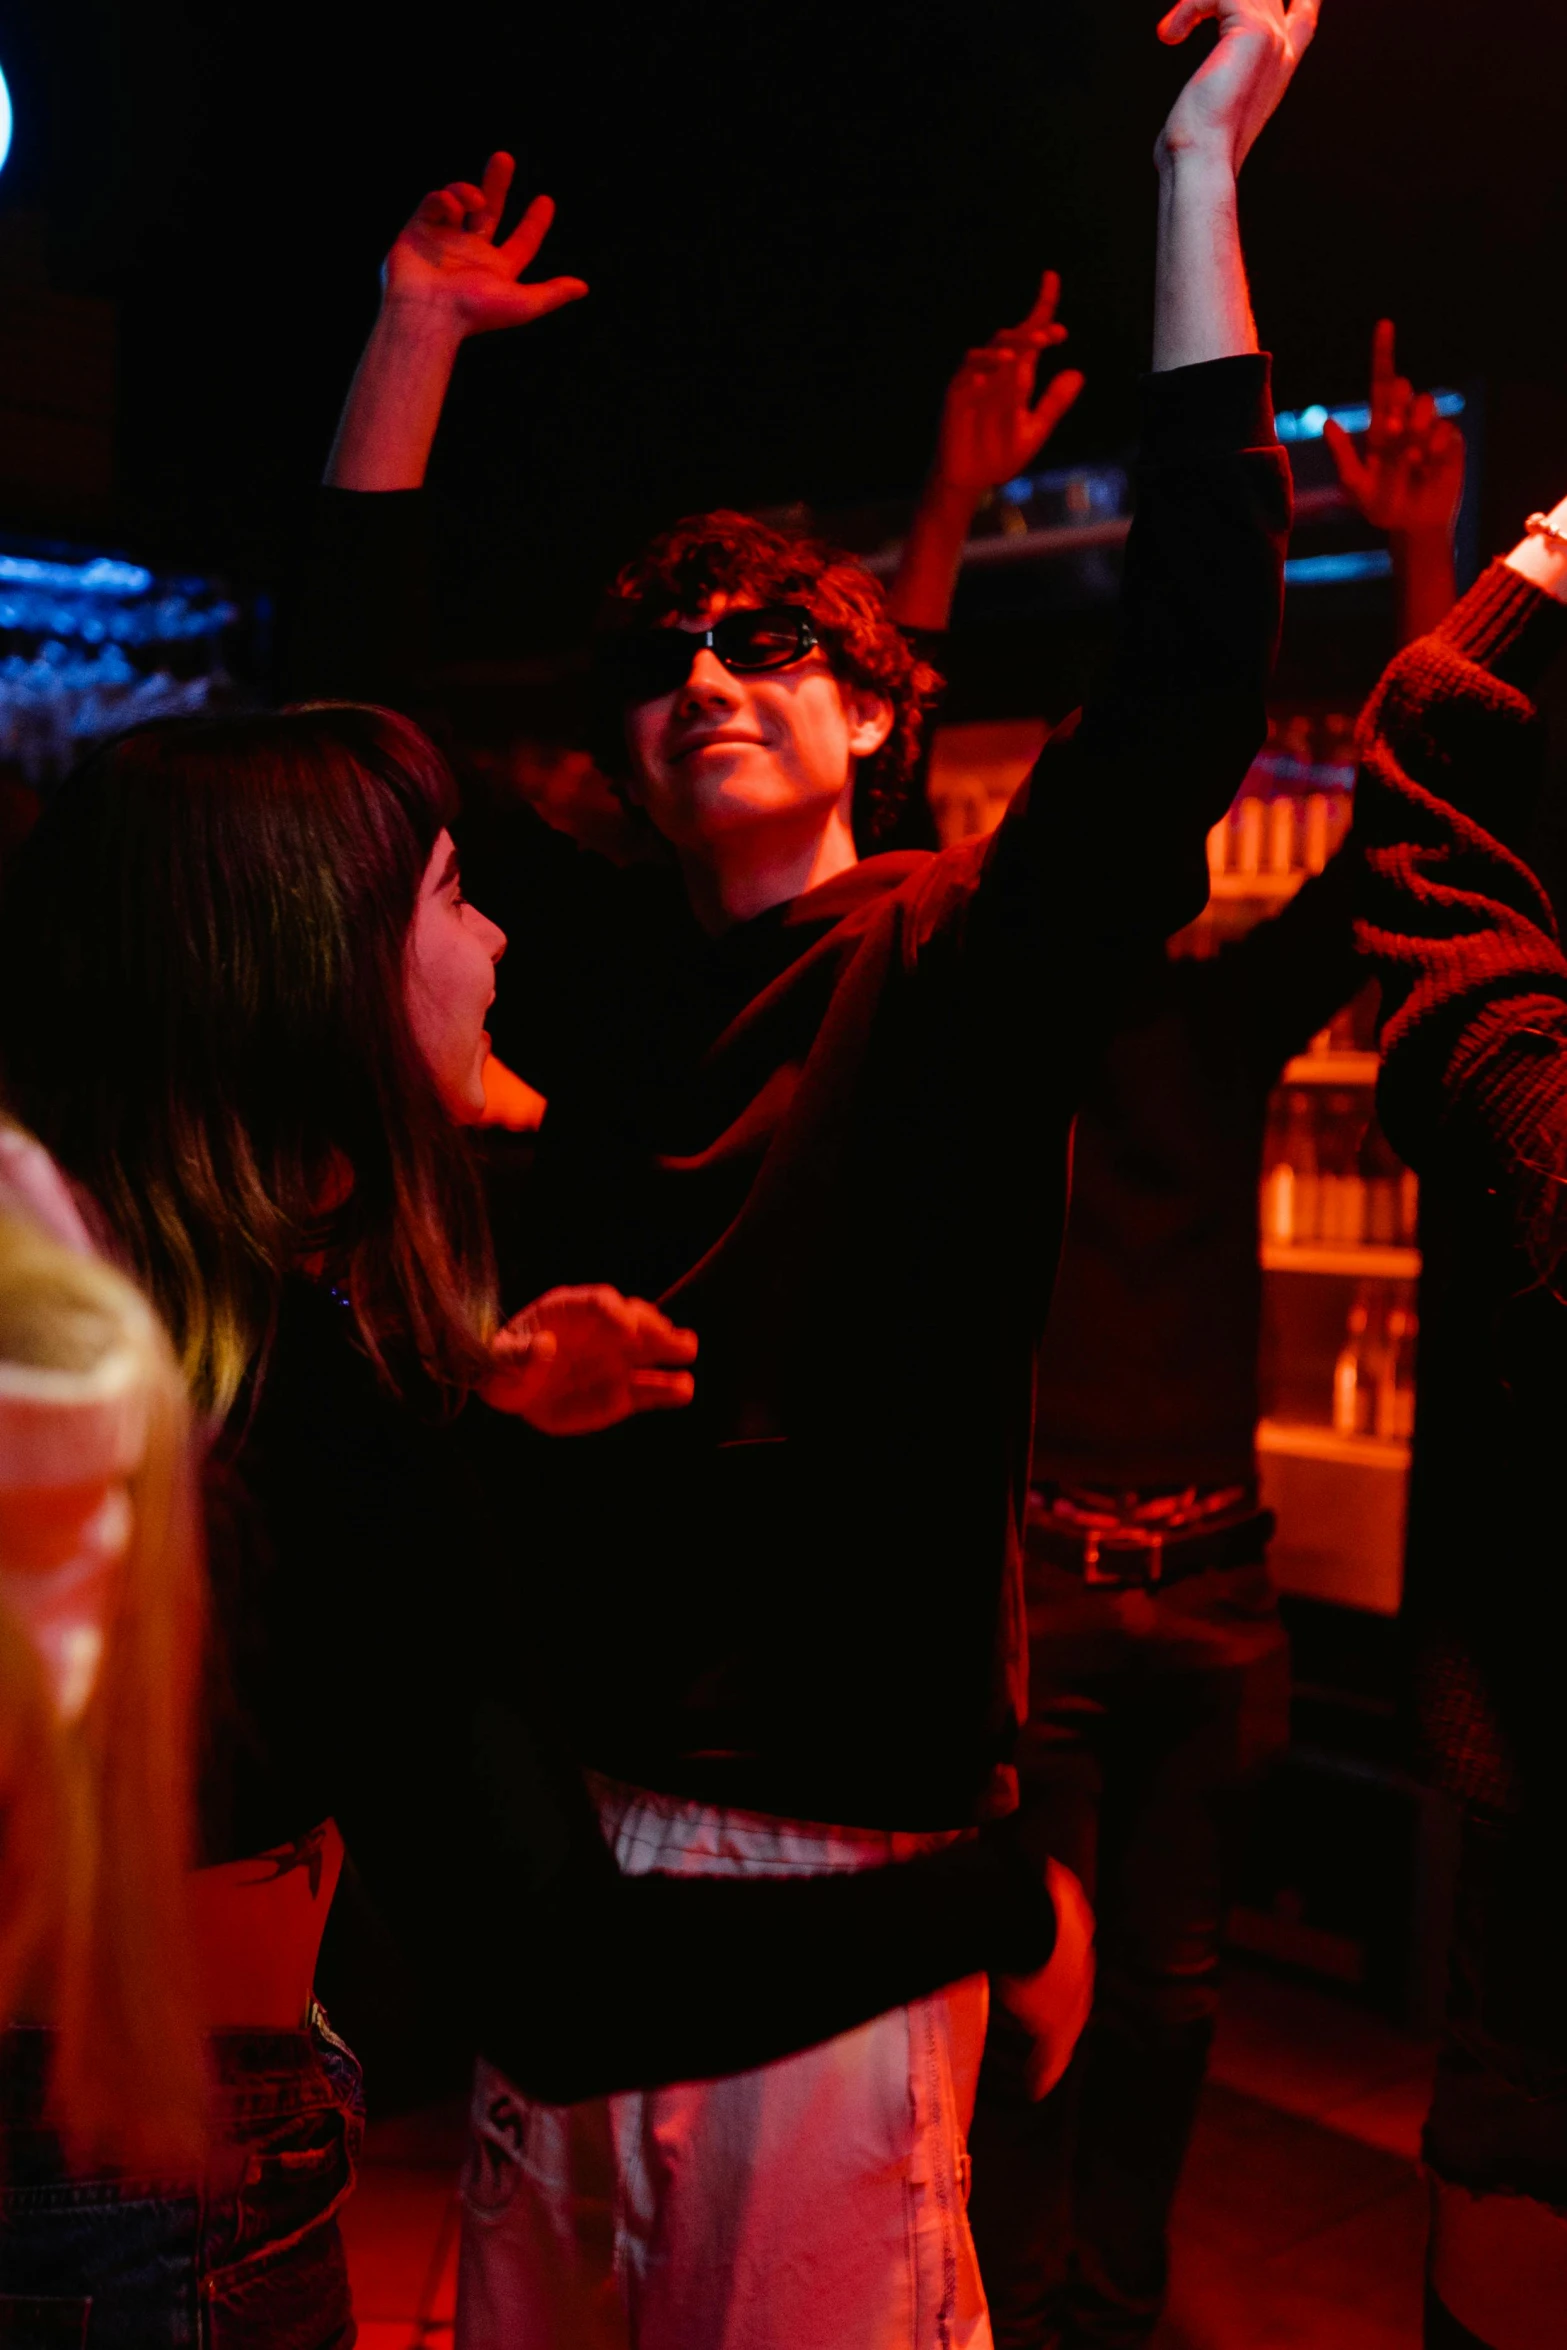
[1150, 1549]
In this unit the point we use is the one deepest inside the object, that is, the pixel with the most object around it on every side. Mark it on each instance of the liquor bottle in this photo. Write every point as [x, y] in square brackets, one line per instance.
[1341, 1190]
[1353, 1379]
[1382, 1173]
[1395, 1395]
[1408, 1206]
[1248, 835]
[1289, 1183]
[1281, 834]
[1316, 832]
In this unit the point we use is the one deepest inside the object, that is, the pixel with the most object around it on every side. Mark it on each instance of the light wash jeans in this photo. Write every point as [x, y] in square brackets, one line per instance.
[818, 2203]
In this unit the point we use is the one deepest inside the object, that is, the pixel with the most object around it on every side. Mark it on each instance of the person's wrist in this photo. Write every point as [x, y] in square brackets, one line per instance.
[1195, 159]
[1425, 542]
[422, 322]
[952, 499]
[1541, 556]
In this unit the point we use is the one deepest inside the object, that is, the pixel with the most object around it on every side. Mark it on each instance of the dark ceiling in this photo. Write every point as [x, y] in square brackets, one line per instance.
[793, 215]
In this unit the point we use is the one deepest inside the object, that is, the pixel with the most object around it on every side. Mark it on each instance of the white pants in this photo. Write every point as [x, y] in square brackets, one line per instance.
[816, 2204]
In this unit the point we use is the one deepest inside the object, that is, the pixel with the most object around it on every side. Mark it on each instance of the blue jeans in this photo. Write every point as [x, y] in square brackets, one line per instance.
[247, 2258]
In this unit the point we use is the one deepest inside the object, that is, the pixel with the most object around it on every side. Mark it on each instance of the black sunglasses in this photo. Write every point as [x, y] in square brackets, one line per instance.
[651, 662]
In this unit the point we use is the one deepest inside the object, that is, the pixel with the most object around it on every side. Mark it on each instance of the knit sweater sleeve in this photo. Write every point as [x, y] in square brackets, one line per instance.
[1474, 981]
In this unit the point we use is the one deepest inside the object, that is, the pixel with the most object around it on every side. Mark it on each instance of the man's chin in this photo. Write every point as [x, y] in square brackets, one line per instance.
[731, 807]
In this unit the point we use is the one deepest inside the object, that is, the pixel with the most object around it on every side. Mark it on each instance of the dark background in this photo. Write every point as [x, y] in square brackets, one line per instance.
[794, 215]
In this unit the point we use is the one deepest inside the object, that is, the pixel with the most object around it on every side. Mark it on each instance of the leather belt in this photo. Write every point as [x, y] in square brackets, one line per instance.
[1127, 1556]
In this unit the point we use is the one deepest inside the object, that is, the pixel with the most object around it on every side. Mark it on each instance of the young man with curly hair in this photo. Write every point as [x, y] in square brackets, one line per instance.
[819, 1106]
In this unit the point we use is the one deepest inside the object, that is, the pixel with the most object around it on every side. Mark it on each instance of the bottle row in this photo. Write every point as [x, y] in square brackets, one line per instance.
[1330, 1176]
[1294, 807]
[1374, 1371]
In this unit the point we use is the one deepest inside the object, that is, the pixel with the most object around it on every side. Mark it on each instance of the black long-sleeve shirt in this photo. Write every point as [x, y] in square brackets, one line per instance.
[378, 1594]
[1148, 1370]
[834, 1139]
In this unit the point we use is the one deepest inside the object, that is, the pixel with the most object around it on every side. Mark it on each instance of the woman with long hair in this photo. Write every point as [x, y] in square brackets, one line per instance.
[242, 1002]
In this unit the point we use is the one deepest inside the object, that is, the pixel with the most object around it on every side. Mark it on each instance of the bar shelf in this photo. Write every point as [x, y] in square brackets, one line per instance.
[1361, 1261]
[1352, 1069]
[1300, 1440]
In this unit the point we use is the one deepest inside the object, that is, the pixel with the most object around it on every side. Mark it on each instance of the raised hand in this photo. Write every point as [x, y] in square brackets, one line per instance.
[1243, 77]
[1409, 478]
[447, 258]
[445, 278]
[991, 425]
[578, 1360]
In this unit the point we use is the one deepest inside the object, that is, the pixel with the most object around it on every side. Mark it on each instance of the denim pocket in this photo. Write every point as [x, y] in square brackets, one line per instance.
[297, 2170]
[499, 2119]
[43, 2322]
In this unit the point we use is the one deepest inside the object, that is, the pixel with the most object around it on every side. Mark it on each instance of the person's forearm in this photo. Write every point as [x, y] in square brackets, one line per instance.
[1202, 309]
[927, 574]
[394, 403]
[1426, 581]
[729, 1974]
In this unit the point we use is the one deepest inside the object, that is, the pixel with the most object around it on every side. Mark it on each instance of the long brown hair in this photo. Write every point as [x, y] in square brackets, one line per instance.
[202, 1014]
[95, 1828]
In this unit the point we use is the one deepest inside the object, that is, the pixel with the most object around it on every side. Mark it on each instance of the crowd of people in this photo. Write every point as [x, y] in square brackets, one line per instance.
[777, 1616]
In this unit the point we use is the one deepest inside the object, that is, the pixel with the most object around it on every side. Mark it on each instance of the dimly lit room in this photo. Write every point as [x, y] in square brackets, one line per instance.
[783, 1177]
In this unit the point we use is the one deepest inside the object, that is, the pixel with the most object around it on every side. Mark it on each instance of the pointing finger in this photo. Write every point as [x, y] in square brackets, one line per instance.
[1045, 301]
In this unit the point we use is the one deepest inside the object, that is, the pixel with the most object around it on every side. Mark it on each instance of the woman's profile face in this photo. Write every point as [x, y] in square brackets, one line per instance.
[450, 983]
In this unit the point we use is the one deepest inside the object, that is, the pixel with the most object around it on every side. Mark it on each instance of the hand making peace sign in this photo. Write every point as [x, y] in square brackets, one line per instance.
[448, 261]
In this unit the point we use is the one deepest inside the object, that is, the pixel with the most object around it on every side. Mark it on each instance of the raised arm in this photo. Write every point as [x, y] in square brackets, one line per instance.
[992, 427]
[448, 276]
[1474, 982]
[1103, 848]
[1202, 309]
[1409, 481]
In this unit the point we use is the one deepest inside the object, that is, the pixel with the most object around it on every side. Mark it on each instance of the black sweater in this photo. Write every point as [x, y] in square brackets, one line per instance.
[1474, 1095]
[1148, 1371]
[378, 1591]
[835, 1140]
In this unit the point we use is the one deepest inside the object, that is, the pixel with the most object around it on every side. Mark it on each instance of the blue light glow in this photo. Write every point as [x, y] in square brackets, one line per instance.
[92, 643]
[1088, 493]
[5, 121]
[105, 575]
[1306, 424]
[1331, 570]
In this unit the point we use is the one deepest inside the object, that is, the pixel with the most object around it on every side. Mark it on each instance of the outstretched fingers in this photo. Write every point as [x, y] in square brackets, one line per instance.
[529, 233]
[441, 209]
[1184, 18]
[1054, 401]
[660, 1391]
[495, 189]
[551, 293]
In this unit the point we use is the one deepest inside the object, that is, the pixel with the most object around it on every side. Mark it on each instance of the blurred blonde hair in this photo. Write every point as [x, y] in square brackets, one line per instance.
[95, 1813]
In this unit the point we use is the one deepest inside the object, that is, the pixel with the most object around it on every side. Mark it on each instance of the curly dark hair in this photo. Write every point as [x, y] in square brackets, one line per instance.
[724, 553]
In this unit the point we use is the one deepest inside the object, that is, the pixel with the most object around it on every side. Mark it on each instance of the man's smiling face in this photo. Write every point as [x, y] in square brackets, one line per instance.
[771, 751]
